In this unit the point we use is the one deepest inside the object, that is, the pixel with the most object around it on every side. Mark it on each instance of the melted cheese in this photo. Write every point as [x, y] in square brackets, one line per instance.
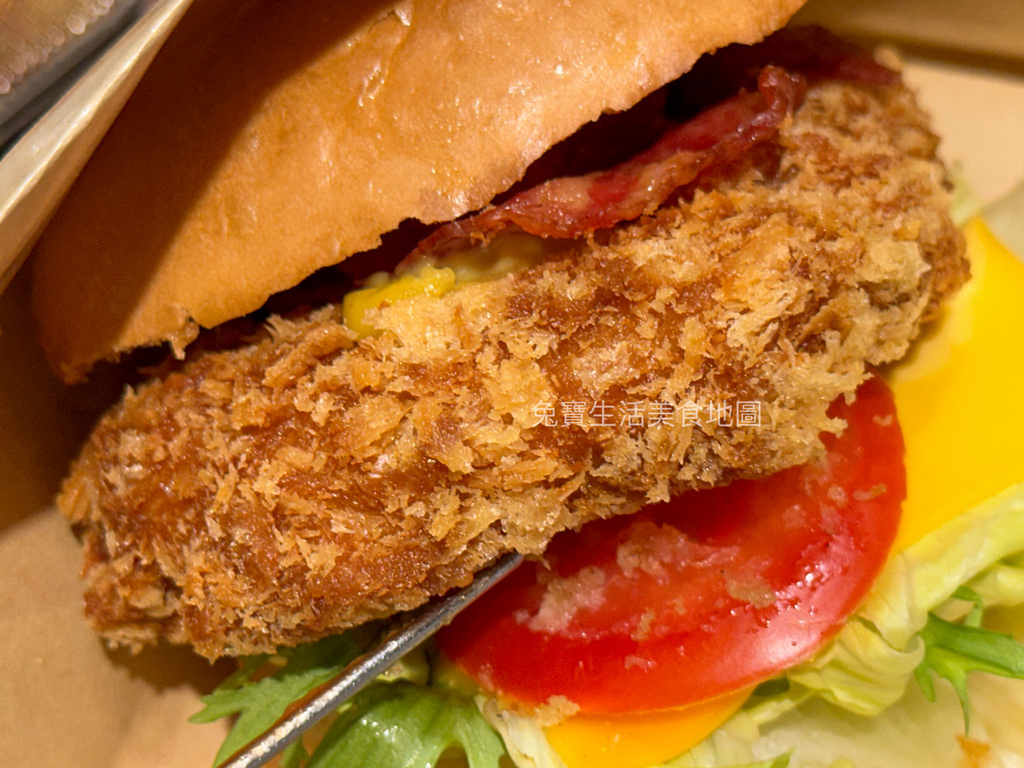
[507, 252]
[382, 290]
[960, 395]
[960, 399]
[961, 407]
[623, 741]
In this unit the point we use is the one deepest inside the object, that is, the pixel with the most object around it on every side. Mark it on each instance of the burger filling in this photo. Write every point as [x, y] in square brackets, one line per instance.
[697, 314]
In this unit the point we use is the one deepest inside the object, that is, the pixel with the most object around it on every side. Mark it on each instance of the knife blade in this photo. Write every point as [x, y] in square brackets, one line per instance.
[416, 627]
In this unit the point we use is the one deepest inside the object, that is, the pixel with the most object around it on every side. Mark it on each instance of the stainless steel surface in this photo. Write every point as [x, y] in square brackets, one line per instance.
[43, 40]
[38, 169]
[414, 630]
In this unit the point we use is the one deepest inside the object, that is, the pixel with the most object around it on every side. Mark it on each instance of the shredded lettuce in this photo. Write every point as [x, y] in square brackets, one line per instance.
[1005, 221]
[523, 736]
[920, 619]
[731, 746]
[780, 761]
[867, 667]
[912, 733]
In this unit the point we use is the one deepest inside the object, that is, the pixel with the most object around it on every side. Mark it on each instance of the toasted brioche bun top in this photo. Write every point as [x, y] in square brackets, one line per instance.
[271, 139]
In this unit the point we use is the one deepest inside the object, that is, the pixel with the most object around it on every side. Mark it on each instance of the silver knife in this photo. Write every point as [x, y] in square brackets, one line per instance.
[43, 40]
[322, 701]
[37, 170]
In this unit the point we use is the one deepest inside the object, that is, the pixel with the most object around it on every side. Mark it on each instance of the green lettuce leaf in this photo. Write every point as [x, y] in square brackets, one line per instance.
[867, 667]
[729, 747]
[906, 629]
[259, 703]
[953, 650]
[403, 724]
[402, 719]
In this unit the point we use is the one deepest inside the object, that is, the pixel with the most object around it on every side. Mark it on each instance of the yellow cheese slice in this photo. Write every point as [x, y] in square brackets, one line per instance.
[960, 399]
[625, 741]
[960, 395]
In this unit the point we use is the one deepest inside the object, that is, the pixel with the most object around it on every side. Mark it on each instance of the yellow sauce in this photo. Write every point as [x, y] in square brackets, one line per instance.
[507, 252]
[424, 279]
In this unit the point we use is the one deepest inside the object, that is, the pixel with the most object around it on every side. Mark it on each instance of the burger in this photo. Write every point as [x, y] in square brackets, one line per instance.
[605, 287]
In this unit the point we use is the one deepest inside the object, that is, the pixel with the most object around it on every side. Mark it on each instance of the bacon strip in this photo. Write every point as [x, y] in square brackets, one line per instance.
[573, 206]
[570, 207]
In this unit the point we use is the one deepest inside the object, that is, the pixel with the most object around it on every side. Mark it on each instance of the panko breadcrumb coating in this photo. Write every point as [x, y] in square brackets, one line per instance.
[310, 481]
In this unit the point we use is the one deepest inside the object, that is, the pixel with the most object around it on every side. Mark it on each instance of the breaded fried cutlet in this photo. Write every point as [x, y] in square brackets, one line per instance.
[313, 480]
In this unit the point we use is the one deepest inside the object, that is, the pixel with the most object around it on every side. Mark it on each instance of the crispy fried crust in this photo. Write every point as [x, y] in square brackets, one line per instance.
[270, 139]
[308, 482]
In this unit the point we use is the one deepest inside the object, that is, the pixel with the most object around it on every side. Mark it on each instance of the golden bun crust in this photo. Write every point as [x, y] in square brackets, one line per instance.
[272, 139]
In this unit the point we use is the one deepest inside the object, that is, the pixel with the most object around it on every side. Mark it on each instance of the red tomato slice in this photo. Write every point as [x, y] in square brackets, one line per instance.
[711, 592]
